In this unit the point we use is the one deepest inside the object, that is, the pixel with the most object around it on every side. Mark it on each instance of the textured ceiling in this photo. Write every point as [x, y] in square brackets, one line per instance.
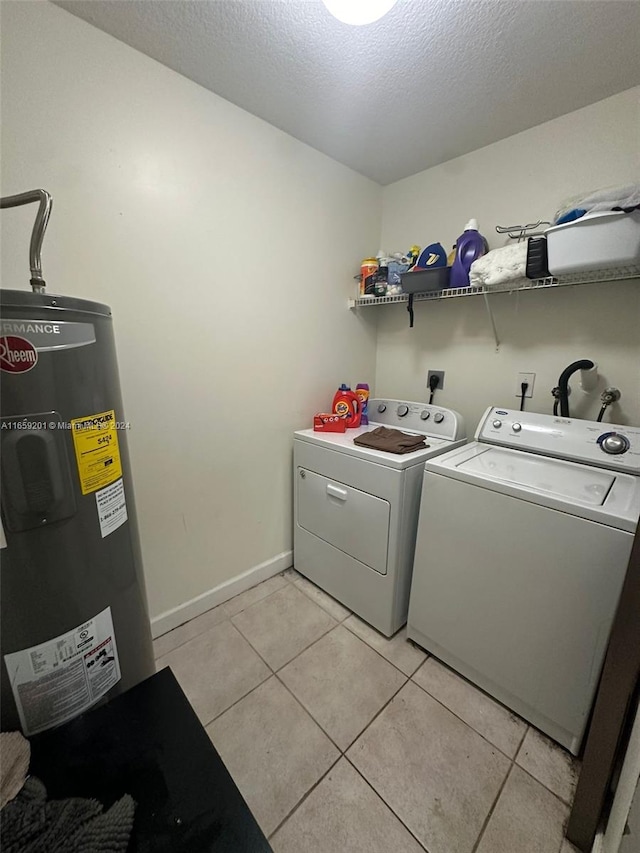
[430, 81]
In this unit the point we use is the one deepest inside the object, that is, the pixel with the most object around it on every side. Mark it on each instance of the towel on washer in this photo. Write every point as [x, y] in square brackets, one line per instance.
[391, 440]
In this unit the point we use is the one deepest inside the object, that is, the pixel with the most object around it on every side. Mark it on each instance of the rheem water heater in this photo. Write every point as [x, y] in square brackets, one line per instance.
[75, 627]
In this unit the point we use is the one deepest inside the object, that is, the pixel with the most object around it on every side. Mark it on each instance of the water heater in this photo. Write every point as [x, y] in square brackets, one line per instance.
[75, 627]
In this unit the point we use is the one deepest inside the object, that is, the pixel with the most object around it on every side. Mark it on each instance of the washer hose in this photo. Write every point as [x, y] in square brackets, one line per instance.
[608, 396]
[563, 383]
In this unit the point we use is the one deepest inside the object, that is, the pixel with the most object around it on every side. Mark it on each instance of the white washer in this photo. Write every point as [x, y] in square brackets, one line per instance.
[521, 555]
[356, 509]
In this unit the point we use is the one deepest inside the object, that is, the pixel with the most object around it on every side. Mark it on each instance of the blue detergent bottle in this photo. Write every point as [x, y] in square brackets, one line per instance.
[470, 246]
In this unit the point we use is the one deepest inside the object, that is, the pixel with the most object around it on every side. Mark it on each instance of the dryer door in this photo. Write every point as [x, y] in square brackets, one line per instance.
[347, 518]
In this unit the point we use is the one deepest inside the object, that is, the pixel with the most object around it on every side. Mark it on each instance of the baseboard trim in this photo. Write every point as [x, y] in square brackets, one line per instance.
[170, 619]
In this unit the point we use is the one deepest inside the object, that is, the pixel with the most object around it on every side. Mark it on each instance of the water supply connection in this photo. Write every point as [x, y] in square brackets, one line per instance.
[45, 203]
[588, 383]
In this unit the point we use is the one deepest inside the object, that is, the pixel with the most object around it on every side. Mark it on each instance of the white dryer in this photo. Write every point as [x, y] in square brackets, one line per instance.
[520, 558]
[356, 509]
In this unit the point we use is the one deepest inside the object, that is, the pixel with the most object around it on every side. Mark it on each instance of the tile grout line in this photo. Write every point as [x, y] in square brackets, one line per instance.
[249, 606]
[553, 793]
[339, 621]
[252, 647]
[475, 731]
[342, 753]
[239, 699]
[526, 732]
[195, 636]
[274, 674]
[308, 712]
[324, 633]
[353, 633]
[485, 824]
[373, 649]
[535, 778]
[227, 616]
[303, 798]
[375, 717]
[382, 799]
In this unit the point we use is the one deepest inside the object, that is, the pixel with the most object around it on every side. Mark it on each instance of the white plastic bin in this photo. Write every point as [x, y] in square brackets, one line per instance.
[596, 241]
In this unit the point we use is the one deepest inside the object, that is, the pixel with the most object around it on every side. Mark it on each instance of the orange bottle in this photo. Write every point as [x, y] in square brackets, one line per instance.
[347, 405]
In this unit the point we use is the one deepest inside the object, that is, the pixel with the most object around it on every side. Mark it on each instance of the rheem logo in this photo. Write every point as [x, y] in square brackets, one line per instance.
[17, 355]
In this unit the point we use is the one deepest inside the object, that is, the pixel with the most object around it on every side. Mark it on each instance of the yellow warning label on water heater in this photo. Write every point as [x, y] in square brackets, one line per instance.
[95, 439]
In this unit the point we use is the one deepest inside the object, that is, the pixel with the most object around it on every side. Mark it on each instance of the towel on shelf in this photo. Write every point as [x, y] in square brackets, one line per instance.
[499, 266]
[391, 440]
[621, 197]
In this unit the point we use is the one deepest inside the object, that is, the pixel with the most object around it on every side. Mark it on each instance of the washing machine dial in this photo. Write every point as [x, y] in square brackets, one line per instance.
[613, 443]
[497, 424]
[402, 411]
[425, 414]
[438, 417]
[382, 408]
[516, 427]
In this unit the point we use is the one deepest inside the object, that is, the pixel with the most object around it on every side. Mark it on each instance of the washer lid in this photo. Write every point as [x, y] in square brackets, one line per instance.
[588, 486]
[582, 490]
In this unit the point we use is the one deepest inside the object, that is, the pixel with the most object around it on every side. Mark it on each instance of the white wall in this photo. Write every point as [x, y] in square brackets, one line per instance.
[226, 249]
[520, 179]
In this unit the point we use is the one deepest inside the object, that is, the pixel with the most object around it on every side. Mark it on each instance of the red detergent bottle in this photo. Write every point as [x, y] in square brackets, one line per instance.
[345, 404]
[469, 247]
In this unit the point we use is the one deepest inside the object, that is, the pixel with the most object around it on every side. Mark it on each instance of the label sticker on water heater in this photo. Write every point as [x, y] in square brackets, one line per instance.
[59, 679]
[112, 508]
[95, 439]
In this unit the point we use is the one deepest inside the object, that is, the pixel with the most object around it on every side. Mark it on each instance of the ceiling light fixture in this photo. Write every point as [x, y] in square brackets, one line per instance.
[358, 12]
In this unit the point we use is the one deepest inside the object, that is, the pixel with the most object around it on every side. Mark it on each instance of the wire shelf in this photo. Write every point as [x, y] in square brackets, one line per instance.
[619, 274]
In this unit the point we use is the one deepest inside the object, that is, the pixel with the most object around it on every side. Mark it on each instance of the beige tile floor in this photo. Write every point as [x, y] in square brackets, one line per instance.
[341, 740]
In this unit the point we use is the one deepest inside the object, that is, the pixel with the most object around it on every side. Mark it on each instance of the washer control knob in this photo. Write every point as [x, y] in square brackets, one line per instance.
[516, 427]
[425, 414]
[438, 417]
[497, 424]
[402, 411]
[382, 407]
[613, 443]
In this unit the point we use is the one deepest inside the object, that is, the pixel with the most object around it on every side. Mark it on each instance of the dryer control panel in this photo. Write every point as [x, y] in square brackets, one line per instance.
[417, 417]
[606, 445]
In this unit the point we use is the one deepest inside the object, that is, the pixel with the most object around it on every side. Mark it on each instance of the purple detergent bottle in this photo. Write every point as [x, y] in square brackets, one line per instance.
[469, 247]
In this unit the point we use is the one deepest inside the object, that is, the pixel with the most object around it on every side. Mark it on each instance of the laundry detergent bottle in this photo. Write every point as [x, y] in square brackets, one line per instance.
[469, 246]
[346, 404]
[362, 393]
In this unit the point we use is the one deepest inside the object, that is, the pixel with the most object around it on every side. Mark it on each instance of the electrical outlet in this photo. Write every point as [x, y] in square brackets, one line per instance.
[530, 378]
[440, 375]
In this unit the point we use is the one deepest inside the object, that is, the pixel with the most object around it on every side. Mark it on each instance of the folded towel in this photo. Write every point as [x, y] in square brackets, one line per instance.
[391, 440]
[499, 266]
[621, 197]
